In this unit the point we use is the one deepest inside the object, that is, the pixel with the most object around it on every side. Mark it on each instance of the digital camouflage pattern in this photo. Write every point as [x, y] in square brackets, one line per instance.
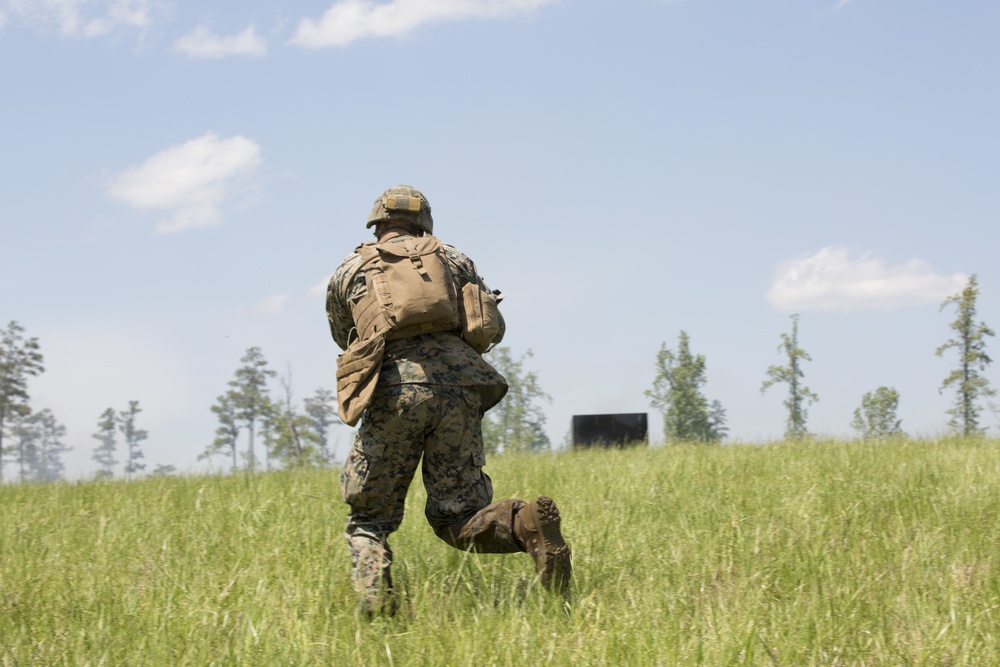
[442, 424]
[371, 573]
[429, 402]
[437, 358]
[403, 202]
[339, 294]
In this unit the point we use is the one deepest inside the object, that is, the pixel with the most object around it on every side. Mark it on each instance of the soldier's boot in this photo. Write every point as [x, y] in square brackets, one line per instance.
[536, 527]
[372, 577]
[378, 600]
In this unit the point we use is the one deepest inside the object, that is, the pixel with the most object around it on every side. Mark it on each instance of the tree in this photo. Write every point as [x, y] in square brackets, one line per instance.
[677, 394]
[876, 418]
[19, 359]
[799, 396]
[249, 395]
[104, 453]
[516, 423]
[25, 434]
[268, 423]
[717, 420]
[322, 412]
[133, 438]
[40, 447]
[967, 378]
[290, 437]
[228, 432]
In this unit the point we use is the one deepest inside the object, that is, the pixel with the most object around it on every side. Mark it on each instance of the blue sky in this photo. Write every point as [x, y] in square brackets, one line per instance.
[178, 180]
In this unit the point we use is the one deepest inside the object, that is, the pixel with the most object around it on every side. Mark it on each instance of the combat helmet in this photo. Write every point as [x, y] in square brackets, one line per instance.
[403, 202]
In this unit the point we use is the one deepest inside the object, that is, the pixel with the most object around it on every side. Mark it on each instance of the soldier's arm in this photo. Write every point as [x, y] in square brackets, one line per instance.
[338, 309]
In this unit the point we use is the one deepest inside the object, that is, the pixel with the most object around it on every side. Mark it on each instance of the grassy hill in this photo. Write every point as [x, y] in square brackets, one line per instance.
[787, 554]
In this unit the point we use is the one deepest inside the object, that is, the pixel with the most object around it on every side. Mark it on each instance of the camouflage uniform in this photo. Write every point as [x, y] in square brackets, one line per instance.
[431, 395]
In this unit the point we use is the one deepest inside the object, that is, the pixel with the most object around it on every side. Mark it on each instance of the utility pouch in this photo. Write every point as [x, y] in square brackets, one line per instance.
[480, 317]
[357, 374]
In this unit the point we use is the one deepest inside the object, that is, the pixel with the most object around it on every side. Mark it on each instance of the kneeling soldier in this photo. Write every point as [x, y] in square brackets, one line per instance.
[414, 317]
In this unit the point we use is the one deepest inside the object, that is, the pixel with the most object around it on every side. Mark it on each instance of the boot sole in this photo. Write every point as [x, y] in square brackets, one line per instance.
[556, 563]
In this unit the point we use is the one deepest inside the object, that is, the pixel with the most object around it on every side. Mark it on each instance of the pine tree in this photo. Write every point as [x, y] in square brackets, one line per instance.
[799, 396]
[46, 460]
[268, 424]
[516, 423]
[967, 378]
[678, 395]
[249, 395]
[322, 411]
[228, 432]
[19, 359]
[104, 453]
[133, 438]
[25, 438]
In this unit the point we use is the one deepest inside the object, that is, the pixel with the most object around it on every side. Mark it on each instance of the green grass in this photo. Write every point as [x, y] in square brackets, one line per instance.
[788, 554]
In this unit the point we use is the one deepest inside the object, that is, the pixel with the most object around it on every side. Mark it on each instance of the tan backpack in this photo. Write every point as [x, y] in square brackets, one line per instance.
[410, 291]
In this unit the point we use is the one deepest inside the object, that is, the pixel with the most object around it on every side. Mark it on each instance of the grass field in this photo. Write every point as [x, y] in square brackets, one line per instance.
[787, 554]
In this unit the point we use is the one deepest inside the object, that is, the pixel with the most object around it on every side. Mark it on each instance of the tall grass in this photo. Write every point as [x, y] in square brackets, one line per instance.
[788, 554]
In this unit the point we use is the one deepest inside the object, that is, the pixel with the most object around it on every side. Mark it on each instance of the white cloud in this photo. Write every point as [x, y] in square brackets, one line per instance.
[193, 179]
[272, 305]
[349, 20]
[833, 279]
[82, 18]
[203, 44]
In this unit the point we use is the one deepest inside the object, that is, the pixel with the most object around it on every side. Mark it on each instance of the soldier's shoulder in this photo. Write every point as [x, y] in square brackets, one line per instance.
[347, 269]
[350, 264]
[458, 257]
[452, 250]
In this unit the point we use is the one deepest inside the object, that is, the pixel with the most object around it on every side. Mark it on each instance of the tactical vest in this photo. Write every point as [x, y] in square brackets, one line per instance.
[410, 289]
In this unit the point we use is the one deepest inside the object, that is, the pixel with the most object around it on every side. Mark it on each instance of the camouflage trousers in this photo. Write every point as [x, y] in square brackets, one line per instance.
[443, 425]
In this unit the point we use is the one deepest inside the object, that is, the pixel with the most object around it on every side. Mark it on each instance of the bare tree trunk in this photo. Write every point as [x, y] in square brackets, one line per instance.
[1, 446]
[250, 461]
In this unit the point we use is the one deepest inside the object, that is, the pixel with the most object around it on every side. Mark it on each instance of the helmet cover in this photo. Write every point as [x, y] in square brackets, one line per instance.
[402, 202]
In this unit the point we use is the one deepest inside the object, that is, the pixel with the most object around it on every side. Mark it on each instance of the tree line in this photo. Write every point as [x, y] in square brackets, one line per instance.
[32, 441]
[689, 417]
[290, 436]
[251, 412]
[248, 412]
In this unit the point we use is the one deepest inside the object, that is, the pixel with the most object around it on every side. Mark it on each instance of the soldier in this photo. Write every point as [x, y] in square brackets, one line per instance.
[414, 317]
